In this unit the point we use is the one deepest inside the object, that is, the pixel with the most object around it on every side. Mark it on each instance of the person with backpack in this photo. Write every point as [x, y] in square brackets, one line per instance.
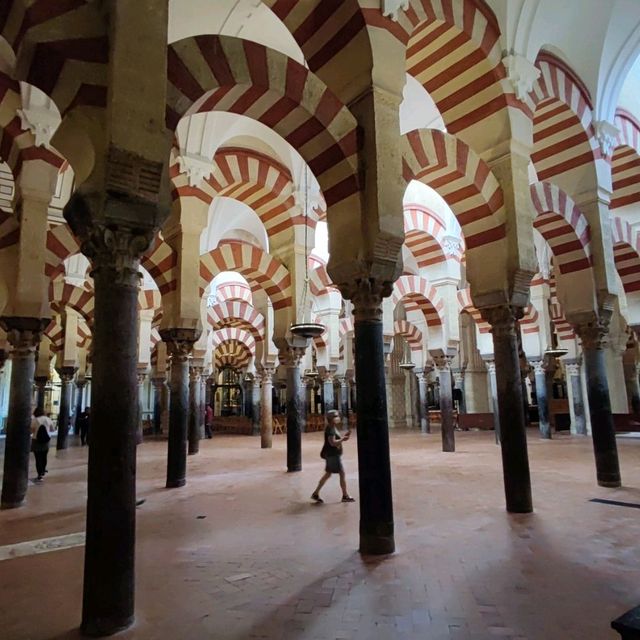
[40, 429]
[332, 454]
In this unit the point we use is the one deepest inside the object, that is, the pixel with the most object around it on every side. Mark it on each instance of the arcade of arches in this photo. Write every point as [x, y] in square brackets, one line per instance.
[446, 193]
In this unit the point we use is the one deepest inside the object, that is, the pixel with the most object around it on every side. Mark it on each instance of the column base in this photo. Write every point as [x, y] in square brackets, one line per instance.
[520, 508]
[12, 505]
[266, 446]
[294, 469]
[376, 545]
[607, 484]
[101, 628]
[175, 484]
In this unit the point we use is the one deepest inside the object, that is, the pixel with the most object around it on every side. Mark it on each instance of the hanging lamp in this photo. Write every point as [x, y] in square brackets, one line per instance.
[303, 328]
[406, 363]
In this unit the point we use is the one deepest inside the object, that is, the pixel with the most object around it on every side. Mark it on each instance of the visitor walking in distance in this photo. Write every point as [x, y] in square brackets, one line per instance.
[41, 426]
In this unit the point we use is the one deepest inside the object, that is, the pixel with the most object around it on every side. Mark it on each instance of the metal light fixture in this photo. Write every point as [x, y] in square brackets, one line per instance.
[406, 363]
[305, 329]
[556, 352]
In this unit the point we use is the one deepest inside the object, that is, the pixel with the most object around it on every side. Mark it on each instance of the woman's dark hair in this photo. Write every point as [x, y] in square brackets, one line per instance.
[38, 413]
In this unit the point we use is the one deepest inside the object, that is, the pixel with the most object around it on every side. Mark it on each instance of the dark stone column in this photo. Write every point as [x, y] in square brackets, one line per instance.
[374, 464]
[540, 374]
[513, 433]
[328, 400]
[41, 384]
[255, 405]
[266, 416]
[64, 416]
[140, 426]
[603, 430]
[344, 401]
[294, 409]
[203, 404]
[158, 384]
[573, 380]
[425, 427]
[109, 569]
[194, 409]
[179, 345]
[80, 386]
[443, 365]
[303, 405]
[493, 388]
[24, 336]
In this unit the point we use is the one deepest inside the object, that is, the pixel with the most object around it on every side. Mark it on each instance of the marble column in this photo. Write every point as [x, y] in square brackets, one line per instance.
[374, 464]
[540, 374]
[592, 336]
[157, 383]
[303, 404]
[41, 384]
[194, 409]
[294, 409]
[493, 390]
[328, 400]
[425, 427]
[513, 433]
[23, 334]
[179, 346]
[344, 401]
[631, 372]
[266, 417]
[140, 428]
[255, 405]
[80, 386]
[202, 416]
[64, 415]
[443, 365]
[579, 426]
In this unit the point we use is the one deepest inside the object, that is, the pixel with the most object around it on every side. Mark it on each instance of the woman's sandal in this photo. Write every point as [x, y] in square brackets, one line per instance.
[348, 499]
[317, 498]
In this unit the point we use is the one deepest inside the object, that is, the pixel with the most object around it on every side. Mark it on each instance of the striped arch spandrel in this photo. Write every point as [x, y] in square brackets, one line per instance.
[467, 184]
[626, 254]
[625, 162]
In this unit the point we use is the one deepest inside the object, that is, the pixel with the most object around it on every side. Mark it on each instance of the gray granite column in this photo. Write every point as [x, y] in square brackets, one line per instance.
[513, 433]
[542, 401]
[493, 388]
[194, 409]
[579, 426]
[294, 409]
[266, 405]
[344, 401]
[41, 385]
[425, 427]
[157, 383]
[64, 416]
[592, 336]
[328, 400]
[142, 374]
[23, 334]
[443, 365]
[255, 405]
[80, 386]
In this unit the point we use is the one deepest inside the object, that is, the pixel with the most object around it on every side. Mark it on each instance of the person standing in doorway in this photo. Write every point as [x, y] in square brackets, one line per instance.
[41, 427]
[332, 454]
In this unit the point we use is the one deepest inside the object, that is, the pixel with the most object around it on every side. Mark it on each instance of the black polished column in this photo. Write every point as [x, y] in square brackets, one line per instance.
[294, 409]
[80, 386]
[443, 364]
[157, 383]
[41, 385]
[24, 336]
[513, 433]
[603, 431]
[179, 345]
[374, 464]
[194, 409]
[64, 416]
[572, 369]
[540, 374]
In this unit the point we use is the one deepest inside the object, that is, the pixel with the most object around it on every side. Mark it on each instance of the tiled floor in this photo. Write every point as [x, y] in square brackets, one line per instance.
[264, 562]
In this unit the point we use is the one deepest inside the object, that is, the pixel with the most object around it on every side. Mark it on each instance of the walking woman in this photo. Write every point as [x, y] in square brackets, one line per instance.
[40, 428]
[332, 453]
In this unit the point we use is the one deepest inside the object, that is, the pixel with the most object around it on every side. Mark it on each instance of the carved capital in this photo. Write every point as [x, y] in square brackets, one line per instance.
[391, 8]
[522, 74]
[503, 320]
[267, 375]
[443, 363]
[41, 381]
[572, 368]
[593, 334]
[23, 334]
[158, 382]
[491, 367]
[179, 342]
[66, 374]
[367, 295]
[292, 356]
[539, 367]
[607, 135]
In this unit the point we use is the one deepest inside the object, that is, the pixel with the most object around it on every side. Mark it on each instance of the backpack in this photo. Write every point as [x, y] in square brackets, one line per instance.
[42, 435]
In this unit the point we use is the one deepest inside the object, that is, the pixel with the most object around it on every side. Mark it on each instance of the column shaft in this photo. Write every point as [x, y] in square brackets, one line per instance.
[194, 411]
[266, 427]
[542, 400]
[446, 407]
[64, 416]
[422, 404]
[255, 406]
[577, 402]
[41, 384]
[294, 416]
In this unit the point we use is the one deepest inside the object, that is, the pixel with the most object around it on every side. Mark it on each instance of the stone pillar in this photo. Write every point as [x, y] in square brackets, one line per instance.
[203, 405]
[513, 433]
[255, 406]
[140, 425]
[80, 386]
[179, 345]
[64, 416]
[294, 409]
[458, 379]
[24, 336]
[540, 374]
[194, 409]
[425, 427]
[574, 384]
[603, 431]
[41, 384]
[493, 390]
[374, 464]
[631, 373]
[344, 401]
[328, 400]
[303, 405]
[266, 417]
[158, 384]
[443, 364]
[165, 412]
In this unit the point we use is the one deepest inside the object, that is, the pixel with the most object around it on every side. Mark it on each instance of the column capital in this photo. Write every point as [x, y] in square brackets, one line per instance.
[292, 356]
[572, 368]
[503, 319]
[66, 373]
[367, 295]
[593, 334]
[158, 381]
[443, 363]
[41, 381]
[267, 375]
[194, 373]
[179, 342]
[23, 334]
[491, 366]
[539, 367]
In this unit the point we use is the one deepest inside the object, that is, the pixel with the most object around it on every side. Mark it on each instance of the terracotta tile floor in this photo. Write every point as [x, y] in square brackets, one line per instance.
[265, 563]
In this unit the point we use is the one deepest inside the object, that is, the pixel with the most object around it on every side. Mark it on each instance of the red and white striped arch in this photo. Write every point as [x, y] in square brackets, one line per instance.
[563, 131]
[625, 169]
[233, 333]
[219, 73]
[346, 326]
[254, 264]
[161, 262]
[563, 226]
[464, 180]
[410, 332]
[626, 253]
[466, 304]
[564, 330]
[257, 180]
[530, 321]
[149, 299]
[239, 314]
[230, 291]
[233, 354]
[61, 244]
[80, 299]
[424, 236]
[418, 295]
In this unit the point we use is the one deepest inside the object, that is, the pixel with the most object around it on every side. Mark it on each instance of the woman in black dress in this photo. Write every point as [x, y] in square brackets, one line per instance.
[332, 453]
